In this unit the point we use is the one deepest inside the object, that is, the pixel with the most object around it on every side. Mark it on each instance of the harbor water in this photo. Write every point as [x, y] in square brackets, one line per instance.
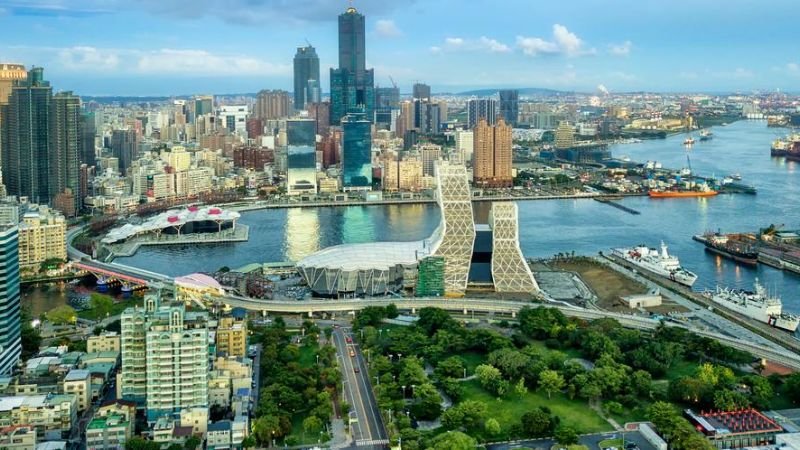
[558, 226]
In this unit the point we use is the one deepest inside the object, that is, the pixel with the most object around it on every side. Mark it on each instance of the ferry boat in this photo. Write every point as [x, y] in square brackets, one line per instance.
[706, 135]
[661, 263]
[757, 304]
[688, 141]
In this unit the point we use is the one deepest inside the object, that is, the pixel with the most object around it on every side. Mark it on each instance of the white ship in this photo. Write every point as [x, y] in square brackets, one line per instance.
[658, 263]
[758, 305]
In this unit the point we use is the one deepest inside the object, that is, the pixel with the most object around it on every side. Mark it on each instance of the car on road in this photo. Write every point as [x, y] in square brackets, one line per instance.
[349, 340]
[352, 353]
[356, 369]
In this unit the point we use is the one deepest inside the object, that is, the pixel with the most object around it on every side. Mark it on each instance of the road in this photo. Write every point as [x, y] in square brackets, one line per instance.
[256, 384]
[589, 440]
[366, 423]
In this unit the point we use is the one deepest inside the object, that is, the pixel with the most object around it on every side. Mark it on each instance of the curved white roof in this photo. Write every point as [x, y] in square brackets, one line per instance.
[171, 218]
[198, 281]
[369, 256]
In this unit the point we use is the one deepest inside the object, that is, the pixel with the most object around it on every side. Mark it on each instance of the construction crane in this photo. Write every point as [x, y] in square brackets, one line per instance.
[392, 80]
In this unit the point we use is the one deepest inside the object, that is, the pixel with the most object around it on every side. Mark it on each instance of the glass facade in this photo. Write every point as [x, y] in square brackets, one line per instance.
[357, 152]
[509, 105]
[10, 345]
[352, 85]
[301, 156]
[306, 68]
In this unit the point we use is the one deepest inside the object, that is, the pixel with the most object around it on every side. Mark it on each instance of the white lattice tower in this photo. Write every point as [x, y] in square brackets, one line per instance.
[510, 272]
[457, 229]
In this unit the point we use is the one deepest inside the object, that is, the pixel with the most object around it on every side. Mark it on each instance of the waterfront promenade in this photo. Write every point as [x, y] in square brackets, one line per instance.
[131, 246]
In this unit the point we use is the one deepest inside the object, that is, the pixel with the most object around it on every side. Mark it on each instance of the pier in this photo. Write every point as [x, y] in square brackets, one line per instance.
[132, 245]
[611, 202]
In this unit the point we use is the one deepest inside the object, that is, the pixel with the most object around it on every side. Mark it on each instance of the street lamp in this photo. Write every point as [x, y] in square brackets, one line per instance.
[412, 390]
[317, 359]
[404, 391]
[378, 380]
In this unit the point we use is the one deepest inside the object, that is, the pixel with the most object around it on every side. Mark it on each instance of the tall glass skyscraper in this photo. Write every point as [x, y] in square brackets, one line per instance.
[26, 154]
[356, 152]
[301, 156]
[65, 148]
[306, 68]
[10, 345]
[352, 85]
[509, 106]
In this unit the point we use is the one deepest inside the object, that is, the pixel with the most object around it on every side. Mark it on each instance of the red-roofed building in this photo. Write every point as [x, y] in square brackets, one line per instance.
[735, 429]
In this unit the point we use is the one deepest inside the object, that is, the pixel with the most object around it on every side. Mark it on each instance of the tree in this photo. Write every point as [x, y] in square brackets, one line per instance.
[139, 443]
[428, 404]
[642, 383]
[192, 443]
[551, 381]
[565, 435]
[62, 315]
[453, 440]
[520, 389]
[728, 400]
[793, 387]
[467, 414]
[312, 425]
[249, 442]
[391, 311]
[492, 427]
[489, 377]
[538, 423]
[265, 427]
[761, 391]
[30, 337]
[412, 373]
[101, 305]
[434, 319]
[512, 363]
[452, 367]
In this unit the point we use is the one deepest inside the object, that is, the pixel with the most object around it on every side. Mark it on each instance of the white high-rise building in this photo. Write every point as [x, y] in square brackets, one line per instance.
[456, 232]
[510, 271]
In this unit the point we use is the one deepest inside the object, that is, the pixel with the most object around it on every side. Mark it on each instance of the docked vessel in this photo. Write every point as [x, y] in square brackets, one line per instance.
[734, 249]
[706, 135]
[669, 193]
[757, 304]
[659, 263]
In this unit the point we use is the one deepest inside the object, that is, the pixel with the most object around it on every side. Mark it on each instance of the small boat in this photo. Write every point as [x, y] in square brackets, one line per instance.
[706, 135]
[688, 141]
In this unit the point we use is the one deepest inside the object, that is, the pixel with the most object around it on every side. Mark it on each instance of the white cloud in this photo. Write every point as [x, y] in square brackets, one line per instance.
[742, 73]
[533, 46]
[436, 49]
[483, 43]
[493, 45]
[387, 28]
[82, 58]
[793, 68]
[623, 49]
[563, 42]
[190, 62]
[201, 62]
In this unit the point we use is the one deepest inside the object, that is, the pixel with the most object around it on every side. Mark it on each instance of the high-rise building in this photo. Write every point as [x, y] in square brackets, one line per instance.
[42, 236]
[234, 118]
[464, 145]
[321, 113]
[301, 157]
[510, 271]
[356, 152]
[421, 91]
[203, 104]
[492, 154]
[10, 345]
[306, 68]
[352, 85]
[431, 153]
[9, 74]
[565, 135]
[509, 106]
[65, 149]
[26, 147]
[272, 105]
[88, 131]
[482, 108]
[123, 147]
[314, 92]
[387, 99]
[164, 358]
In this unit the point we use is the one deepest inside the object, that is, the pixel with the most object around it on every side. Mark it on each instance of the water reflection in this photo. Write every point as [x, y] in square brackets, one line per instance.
[302, 233]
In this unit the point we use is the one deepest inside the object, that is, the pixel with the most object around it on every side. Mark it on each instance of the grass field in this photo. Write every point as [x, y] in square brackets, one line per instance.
[472, 360]
[116, 309]
[308, 356]
[300, 435]
[507, 411]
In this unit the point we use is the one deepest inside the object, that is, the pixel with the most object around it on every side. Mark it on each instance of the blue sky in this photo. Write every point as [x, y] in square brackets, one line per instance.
[164, 47]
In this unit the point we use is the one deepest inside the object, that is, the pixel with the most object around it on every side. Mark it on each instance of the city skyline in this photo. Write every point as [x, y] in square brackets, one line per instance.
[164, 48]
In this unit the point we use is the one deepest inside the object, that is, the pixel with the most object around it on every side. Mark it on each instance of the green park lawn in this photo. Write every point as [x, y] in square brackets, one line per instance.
[507, 411]
[308, 356]
[472, 360]
[116, 309]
